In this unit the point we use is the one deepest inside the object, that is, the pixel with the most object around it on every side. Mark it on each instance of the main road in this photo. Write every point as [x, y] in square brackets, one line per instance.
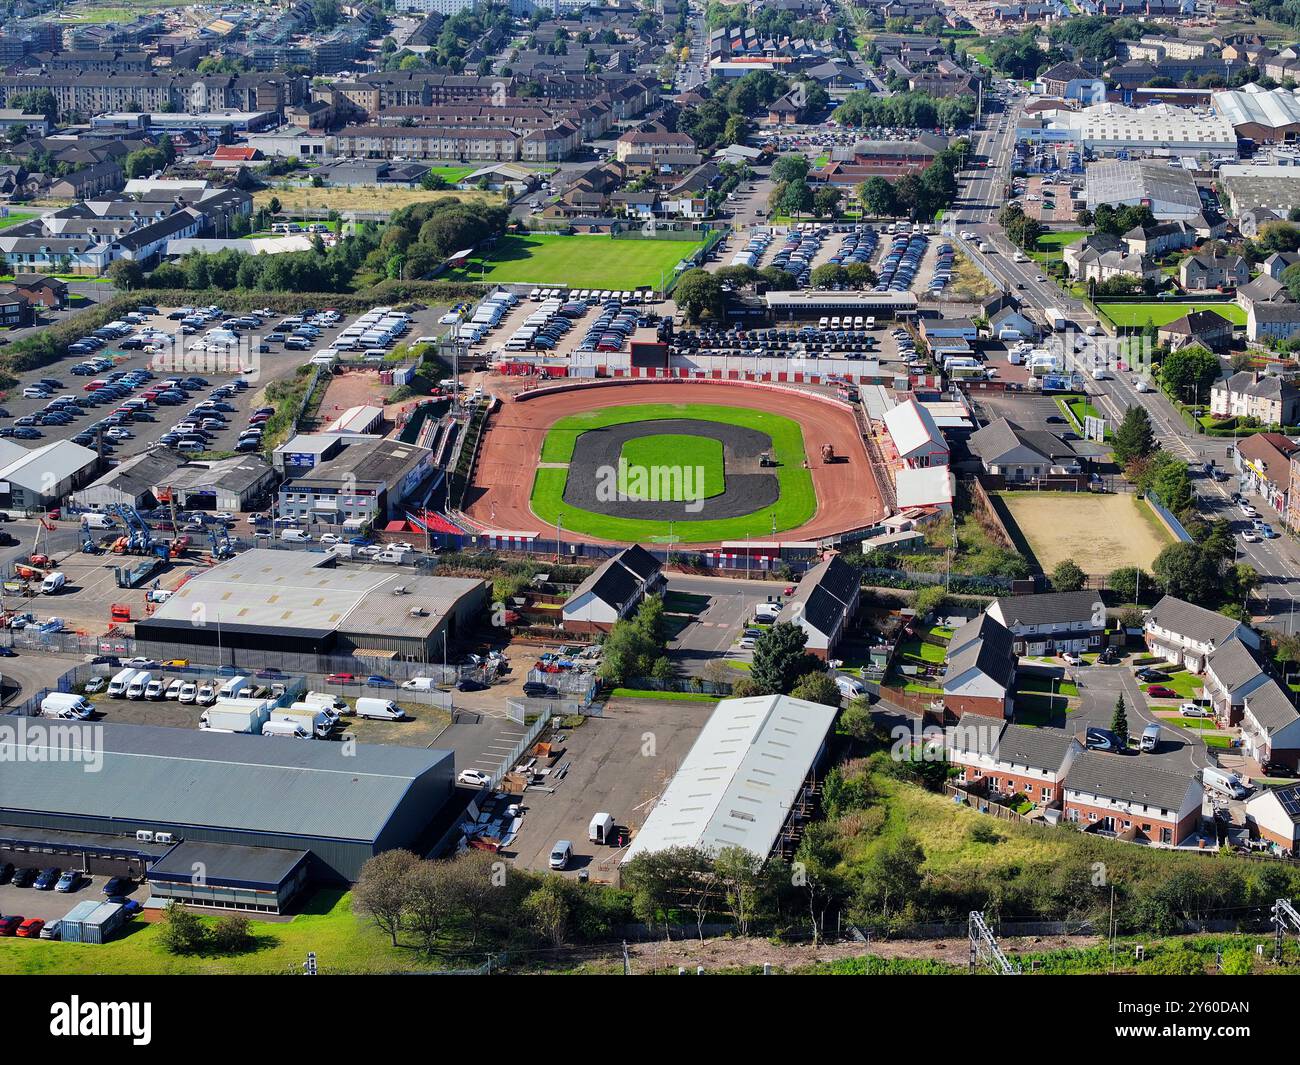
[981, 195]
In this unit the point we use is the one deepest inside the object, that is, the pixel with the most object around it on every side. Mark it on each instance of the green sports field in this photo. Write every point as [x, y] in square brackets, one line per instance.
[796, 505]
[1136, 315]
[580, 262]
[666, 450]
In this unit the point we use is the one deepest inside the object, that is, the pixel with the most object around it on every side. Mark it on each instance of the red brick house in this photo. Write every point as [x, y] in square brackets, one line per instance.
[1119, 795]
[981, 670]
[1012, 759]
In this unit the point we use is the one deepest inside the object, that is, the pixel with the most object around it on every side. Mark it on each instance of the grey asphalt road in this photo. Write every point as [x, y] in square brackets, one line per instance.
[728, 605]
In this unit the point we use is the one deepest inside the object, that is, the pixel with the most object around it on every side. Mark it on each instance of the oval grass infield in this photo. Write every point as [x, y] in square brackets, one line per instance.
[796, 505]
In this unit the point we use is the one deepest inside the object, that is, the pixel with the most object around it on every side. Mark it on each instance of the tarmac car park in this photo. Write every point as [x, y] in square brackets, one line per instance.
[132, 383]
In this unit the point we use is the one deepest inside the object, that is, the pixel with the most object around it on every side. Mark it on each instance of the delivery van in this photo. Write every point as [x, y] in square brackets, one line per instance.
[380, 709]
[233, 688]
[1150, 738]
[66, 705]
[420, 684]
[601, 829]
[120, 682]
[1224, 782]
[139, 685]
[288, 729]
[53, 583]
[98, 521]
[850, 688]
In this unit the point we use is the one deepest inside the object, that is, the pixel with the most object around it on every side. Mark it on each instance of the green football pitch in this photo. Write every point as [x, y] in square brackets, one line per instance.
[795, 506]
[591, 261]
[697, 460]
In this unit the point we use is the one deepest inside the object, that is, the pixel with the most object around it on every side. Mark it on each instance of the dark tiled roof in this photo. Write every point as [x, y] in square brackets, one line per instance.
[1128, 778]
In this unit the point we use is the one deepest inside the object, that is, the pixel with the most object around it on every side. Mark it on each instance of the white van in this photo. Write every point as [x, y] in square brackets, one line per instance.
[420, 684]
[139, 684]
[66, 705]
[850, 688]
[601, 829]
[233, 688]
[288, 729]
[767, 612]
[93, 520]
[1224, 782]
[295, 536]
[118, 685]
[380, 709]
[1150, 738]
[156, 688]
[53, 583]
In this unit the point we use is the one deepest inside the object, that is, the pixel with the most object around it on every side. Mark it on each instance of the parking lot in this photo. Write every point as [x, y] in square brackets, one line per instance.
[52, 905]
[135, 372]
[618, 764]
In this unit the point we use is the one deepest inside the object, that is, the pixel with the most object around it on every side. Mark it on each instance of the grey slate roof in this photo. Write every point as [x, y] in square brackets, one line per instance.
[1047, 608]
[1271, 706]
[171, 776]
[1033, 748]
[1194, 622]
[991, 653]
[1233, 664]
[1127, 778]
[619, 577]
[1003, 435]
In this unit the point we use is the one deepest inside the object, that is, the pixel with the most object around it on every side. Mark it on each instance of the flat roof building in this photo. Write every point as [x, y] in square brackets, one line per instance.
[367, 480]
[287, 602]
[1169, 191]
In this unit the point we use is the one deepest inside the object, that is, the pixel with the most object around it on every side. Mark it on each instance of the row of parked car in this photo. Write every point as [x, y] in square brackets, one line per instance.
[796, 254]
[612, 327]
[857, 247]
[899, 268]
[116, 889]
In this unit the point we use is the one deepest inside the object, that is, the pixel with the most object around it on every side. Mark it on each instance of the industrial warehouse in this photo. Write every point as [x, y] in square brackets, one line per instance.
[263, 818]
[316, 605]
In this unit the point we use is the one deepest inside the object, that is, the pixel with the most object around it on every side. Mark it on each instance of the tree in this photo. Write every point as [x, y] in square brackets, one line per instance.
[1189, 372]
[1128, 582]
[430, 902]
[856, 720]
[381, 889]
[1241, 580]
[1134, 438]
[547, 909]
[789, 168]
[232, 934]
[817, 687]
[877, 196]
[793, 198]
[1119, 723]
[1067, 576]
[890, 878]
[826, 201]
[699, 293]
[741, 874]
[1186, 572]
[143, 162]
[780, 659]
[182, 932]
[126, 274]
[475, 884]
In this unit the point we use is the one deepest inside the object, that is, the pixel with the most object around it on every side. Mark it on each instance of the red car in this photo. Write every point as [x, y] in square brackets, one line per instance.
[9, 925]
[30, 928]
[789, 591]
[1159, 691]
[341, 678]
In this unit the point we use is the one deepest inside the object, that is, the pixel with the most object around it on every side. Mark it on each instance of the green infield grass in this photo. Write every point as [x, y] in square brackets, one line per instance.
[795, 506]
[671, 466]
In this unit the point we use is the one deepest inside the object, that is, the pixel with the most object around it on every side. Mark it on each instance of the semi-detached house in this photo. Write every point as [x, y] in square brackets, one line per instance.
[1270, 726]
[1187, 634]
[1012, 759]
[1122, 796]
[980, 674]
[1052, 622]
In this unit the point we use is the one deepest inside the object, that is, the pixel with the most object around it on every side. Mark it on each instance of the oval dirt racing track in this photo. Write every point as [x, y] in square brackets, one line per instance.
[847, 496]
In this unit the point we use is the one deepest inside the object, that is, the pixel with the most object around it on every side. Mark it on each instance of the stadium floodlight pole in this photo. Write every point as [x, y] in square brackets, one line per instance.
[559, 519]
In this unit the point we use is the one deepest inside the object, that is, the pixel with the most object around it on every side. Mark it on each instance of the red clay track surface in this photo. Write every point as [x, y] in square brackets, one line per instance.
[847, 497]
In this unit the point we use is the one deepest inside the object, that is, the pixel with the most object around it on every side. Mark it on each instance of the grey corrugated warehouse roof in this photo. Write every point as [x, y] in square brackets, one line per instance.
[168, 776]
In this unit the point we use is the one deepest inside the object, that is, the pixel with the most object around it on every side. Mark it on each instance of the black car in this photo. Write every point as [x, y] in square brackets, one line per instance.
[1108, 657]
[23, 877]
[1101, 739]
[6, 872]
[119, 885]
[1151, 676]
[106, 660]
[535, 689]
[470, 685]
[48, 878]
